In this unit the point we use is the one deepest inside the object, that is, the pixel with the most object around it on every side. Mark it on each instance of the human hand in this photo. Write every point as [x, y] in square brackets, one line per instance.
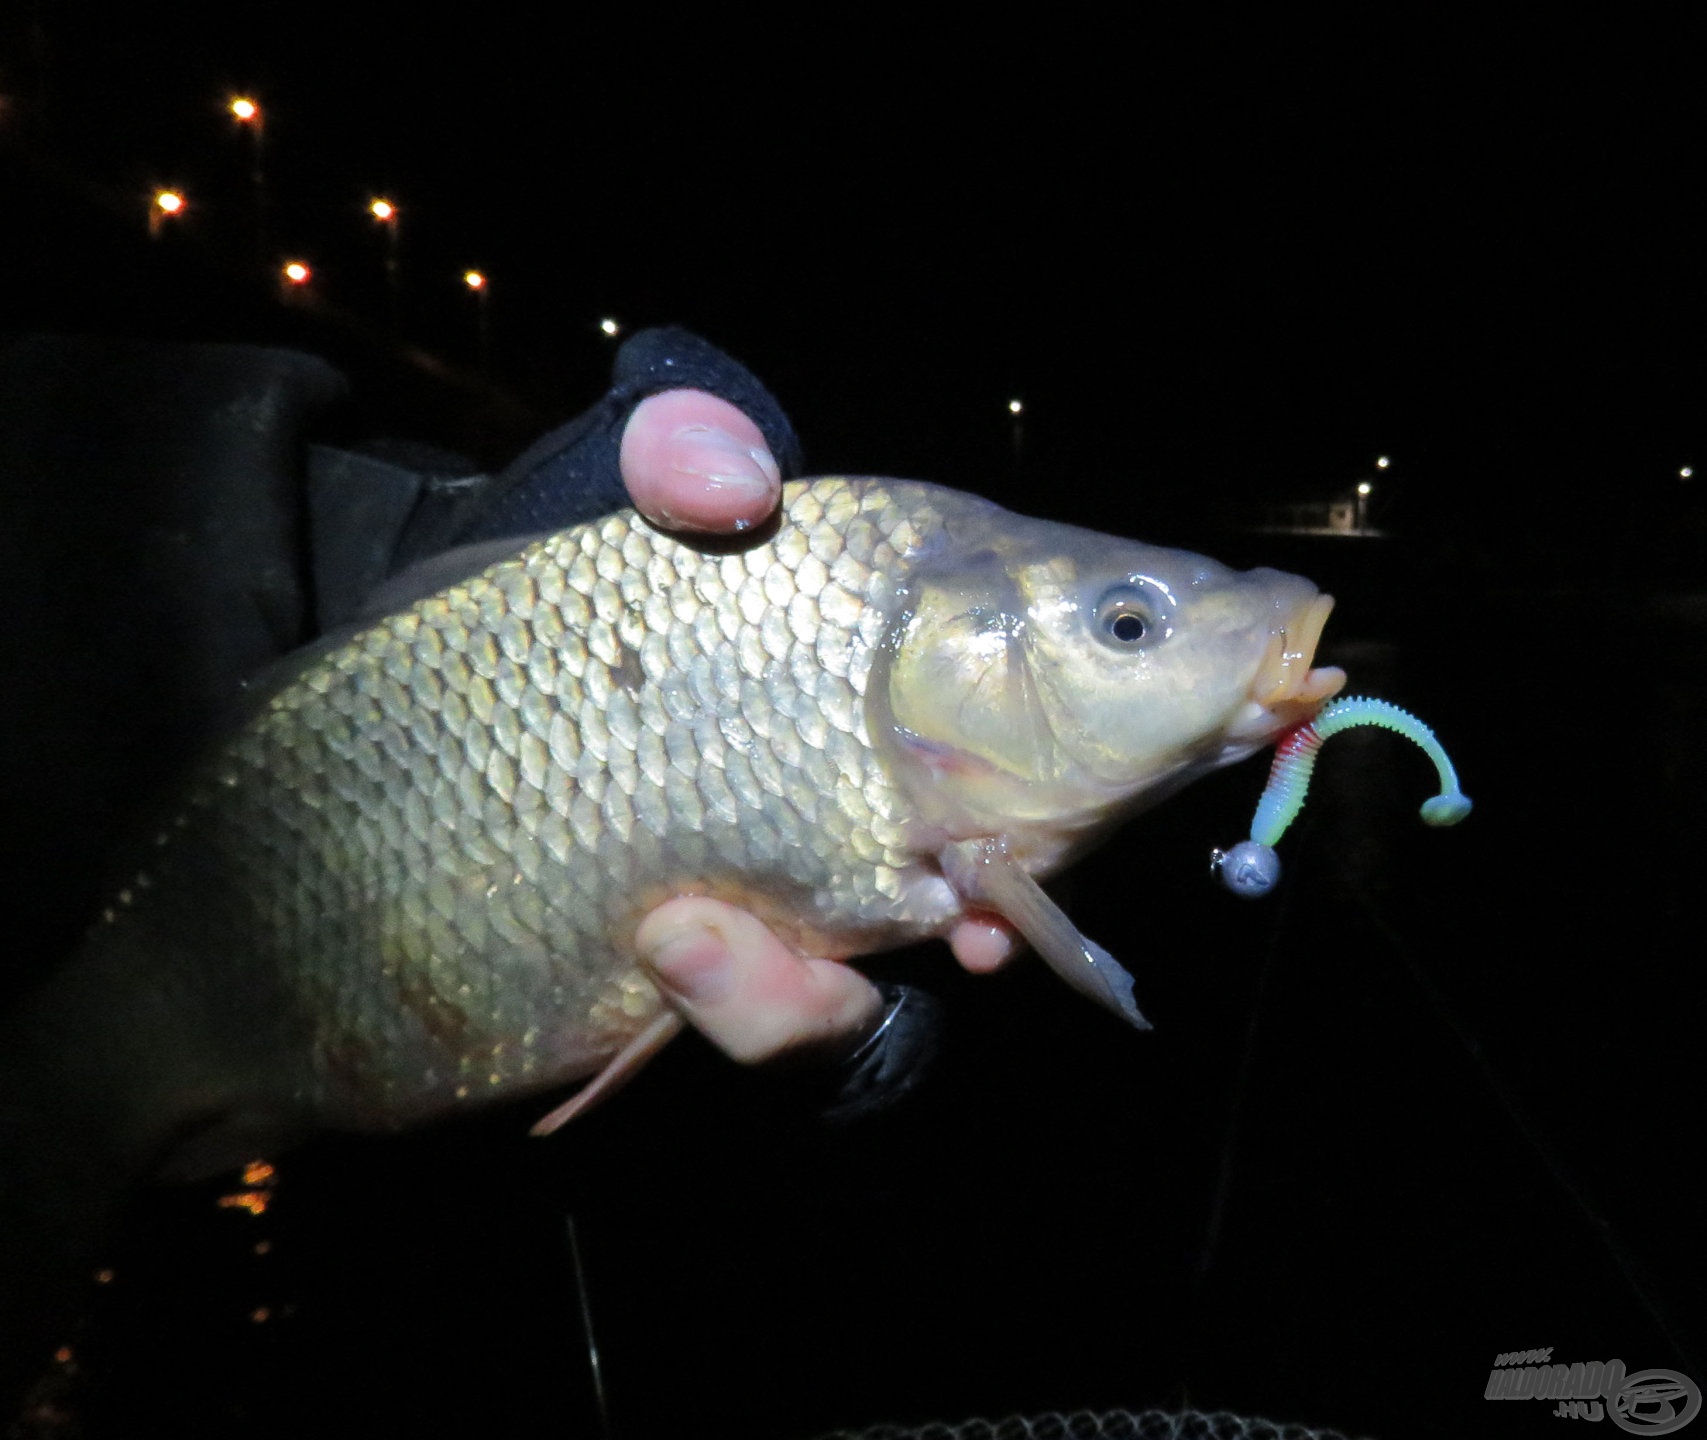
[692, 461]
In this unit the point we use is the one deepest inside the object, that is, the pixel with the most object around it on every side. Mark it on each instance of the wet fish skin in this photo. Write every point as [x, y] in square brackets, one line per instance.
[410, 883]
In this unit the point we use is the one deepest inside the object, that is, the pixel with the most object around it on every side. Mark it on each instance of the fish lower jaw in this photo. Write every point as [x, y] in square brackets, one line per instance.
[1319, 683]
[1323, 683]
[1264, 718]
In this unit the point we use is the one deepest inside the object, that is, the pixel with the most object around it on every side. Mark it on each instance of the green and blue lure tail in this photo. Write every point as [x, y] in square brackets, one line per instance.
[1251, 868]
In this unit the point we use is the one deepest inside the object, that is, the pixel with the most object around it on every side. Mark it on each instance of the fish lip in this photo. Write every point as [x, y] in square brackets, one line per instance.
[1287, 689]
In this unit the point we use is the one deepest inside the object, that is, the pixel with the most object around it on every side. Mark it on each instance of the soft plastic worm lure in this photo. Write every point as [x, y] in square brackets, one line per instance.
[1251, 867]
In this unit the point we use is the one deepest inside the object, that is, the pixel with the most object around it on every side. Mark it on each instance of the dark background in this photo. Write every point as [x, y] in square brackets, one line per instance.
[1436, 1100]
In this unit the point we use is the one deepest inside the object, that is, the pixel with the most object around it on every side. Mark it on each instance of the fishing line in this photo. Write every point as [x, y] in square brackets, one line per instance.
[1247, 1063]
[1558, 1171]
[1221, 1199]
[585, 1297]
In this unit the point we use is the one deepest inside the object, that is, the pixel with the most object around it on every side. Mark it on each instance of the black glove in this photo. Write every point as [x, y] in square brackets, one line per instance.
[573, 474]
[893, 1059]
[392, 526]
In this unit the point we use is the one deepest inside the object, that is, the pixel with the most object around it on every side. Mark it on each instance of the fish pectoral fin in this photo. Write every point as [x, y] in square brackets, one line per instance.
[622, 1067]
[985, 871]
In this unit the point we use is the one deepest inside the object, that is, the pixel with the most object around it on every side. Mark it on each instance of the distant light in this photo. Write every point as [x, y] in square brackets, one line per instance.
[1685, 473]
[170, 202]
[1364, 487]
[297, 273]
[474, 280]
[245, 109]
[382, 210]
[1382, 462]
[610, 327]
[1014, 407]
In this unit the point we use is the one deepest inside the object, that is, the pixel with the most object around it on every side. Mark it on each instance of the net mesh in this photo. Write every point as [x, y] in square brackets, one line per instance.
[1101, 1425]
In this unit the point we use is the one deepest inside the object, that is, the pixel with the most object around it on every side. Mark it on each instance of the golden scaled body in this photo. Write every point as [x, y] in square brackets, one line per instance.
[411, 882]
[431, 849]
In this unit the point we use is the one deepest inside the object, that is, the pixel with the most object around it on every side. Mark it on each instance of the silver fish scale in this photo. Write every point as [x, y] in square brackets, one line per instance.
[438, 840]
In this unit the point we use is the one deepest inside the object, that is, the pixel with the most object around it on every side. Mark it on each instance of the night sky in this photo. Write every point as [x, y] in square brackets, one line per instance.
[1435, 1105]
[1247, 261]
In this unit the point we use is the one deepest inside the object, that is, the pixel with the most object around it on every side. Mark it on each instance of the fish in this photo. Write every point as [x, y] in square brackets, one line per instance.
[407, 884]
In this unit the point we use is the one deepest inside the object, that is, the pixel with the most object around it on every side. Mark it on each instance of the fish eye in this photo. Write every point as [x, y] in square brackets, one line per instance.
[1127, 626]
[1126, 618]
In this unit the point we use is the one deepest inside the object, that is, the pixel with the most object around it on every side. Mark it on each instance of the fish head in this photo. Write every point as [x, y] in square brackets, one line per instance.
[1042, 680]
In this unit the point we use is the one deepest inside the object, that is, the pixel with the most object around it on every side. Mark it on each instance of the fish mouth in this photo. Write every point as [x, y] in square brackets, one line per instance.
[1287, 686]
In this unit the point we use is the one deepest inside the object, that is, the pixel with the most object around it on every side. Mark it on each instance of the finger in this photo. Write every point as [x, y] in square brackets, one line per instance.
[983, 943]
[694, 462]
[747, 992]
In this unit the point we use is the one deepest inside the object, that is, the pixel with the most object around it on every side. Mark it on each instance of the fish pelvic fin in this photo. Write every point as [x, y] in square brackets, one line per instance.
[621, 1068]
[985, 871]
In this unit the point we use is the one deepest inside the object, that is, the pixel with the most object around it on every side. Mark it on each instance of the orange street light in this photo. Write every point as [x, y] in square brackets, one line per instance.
[385, 211]
[165, 205]
[477, 285]
[294, 280]
[246, 110]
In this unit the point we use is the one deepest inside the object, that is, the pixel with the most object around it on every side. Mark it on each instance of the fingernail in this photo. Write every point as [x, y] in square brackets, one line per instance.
[724, 462]
[691, 961]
